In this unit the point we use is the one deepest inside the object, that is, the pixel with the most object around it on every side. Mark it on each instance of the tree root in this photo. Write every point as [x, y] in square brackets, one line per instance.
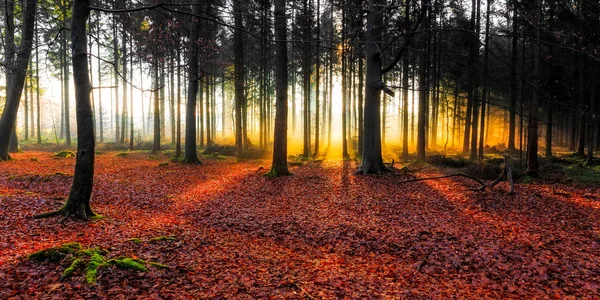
[50, 214]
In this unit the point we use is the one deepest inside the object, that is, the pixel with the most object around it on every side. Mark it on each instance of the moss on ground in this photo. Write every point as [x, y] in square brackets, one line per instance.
[55, 254]
[90, 260]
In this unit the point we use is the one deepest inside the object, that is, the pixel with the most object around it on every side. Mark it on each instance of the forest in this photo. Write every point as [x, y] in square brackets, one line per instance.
[299, 149]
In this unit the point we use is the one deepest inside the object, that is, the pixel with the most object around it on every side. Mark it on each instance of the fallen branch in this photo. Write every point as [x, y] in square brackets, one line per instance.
[506, 172]
[481, 188]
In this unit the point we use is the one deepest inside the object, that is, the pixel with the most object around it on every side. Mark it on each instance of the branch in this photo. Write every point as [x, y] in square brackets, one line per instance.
[480, 188]
[407, 41]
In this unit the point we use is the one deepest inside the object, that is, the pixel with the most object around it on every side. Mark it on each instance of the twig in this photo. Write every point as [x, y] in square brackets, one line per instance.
[309, 296]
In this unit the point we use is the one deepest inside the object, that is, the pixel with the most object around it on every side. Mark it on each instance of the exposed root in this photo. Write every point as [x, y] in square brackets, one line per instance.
[50, 214]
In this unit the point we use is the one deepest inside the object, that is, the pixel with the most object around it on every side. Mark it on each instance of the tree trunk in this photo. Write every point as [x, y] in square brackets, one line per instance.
[532, 126]
[372, 161]
[16, 77]
[306, 72]
[405, 68]
[191, 156]
[512, 90]
[279, 165]
[485, 80]
[156, 140]
[238, 49]
[178, 141]
[78, 203]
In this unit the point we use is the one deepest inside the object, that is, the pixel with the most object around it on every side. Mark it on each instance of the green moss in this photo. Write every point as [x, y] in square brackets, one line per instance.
[135, 240]
[163, 238]
[74, 265]
[65, 154]
[163, 164]
[91, 271]
[122, 154]
[55, 254]
[130, 263]
[91, 251]
[34, 159]
[92, 259]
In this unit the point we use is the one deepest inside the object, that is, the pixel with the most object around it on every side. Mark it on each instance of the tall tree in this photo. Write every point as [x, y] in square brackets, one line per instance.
[16, 78]
[279, 165]
[78, 203]
[239, 81]
[532, 124]
[190, 155]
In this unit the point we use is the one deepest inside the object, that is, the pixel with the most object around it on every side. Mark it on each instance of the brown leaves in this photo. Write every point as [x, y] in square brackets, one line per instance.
[321, 233]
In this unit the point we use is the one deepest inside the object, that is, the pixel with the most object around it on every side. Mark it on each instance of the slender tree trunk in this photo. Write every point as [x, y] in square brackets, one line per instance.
[178, 142]
[485, 79]
[156, 106]
[124, 82]
[191, 156]
[317, 79]
[101, 112]
[37, 85]
[405, 67]
[306, 71]
[116, 79]
[532, 126]
[238, 49]
[66, 95]
[422, 113]
[512, 90]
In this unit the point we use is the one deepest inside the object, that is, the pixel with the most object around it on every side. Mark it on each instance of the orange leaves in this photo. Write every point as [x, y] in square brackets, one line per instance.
[322, 233]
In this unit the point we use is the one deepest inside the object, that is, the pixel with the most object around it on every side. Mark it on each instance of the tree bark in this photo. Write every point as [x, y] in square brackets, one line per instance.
[532, 125]
[16, 77]
[191, 155]
[78, 203]
[238, 50]
[279, 165]
[372, 161]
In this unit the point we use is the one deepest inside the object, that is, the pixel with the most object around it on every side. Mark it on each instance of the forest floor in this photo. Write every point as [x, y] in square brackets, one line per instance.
[227, 231]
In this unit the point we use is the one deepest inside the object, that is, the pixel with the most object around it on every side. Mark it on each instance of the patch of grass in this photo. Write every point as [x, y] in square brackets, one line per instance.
[163, 164]
[135, 240]
[65, 154]
[122, 154]
[34, 159]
